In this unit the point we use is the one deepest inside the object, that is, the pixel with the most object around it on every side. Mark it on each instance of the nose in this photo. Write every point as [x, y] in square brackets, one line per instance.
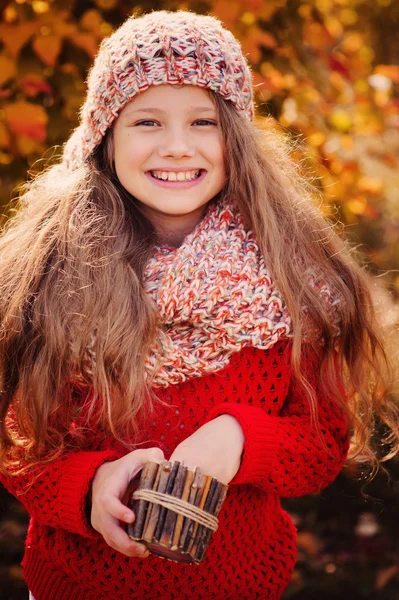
[177, 143]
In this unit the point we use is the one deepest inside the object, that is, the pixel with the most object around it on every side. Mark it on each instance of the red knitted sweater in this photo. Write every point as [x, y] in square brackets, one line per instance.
[252, 555]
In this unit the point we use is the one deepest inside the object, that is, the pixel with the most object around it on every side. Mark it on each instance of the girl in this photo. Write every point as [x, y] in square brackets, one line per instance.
[170, 291]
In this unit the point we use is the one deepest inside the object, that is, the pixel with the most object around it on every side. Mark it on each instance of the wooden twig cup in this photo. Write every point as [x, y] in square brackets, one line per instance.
[176, 510]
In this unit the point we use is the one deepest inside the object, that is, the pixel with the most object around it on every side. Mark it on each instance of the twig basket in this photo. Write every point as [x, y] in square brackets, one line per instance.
[176, 511]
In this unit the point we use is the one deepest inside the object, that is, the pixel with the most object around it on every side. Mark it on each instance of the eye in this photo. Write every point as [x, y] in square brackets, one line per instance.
[202, 122]
[146, 123]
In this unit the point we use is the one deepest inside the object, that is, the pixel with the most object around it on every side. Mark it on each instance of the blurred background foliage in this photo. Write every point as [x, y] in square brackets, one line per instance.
[325, 70]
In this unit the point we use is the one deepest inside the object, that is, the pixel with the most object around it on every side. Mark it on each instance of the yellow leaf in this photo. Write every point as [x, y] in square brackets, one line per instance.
[248, 18]
[26, 146]
[10, 14]
[7, 69]
[6, 158]
[48, 48]
[347, 142]
[352, 41]
[348, 16]
[26, 119]
[324, 6]
[40, 7]
[333, 26]
[370, 185]
[340, 119]
[357, 205]
[317, 138]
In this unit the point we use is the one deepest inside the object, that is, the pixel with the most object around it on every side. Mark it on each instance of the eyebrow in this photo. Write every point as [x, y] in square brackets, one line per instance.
[160, 111]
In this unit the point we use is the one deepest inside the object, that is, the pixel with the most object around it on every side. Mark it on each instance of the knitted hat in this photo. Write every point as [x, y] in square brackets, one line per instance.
[160, 47]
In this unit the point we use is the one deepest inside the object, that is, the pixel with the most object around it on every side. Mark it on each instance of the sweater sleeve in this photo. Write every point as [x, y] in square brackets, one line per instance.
[55, 494]
[285, 454]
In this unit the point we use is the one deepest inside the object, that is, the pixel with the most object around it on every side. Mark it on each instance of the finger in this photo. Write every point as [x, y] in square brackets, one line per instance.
[149, 455]
[139, 458]
[118, 539]
[118, 510]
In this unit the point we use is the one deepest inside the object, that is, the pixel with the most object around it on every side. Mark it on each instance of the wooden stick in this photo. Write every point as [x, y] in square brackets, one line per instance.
[180, 518]
[205, 535]
[160, 482]
[152, 522]
[194, 499]
[207, 508]
[162, 512]
[205, 491]
[171, 516]
[139, 507]
[219, 504]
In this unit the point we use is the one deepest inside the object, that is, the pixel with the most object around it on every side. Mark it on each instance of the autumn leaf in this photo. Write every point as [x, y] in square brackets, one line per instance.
[86, 41]
[48, 48]
[7, 69]
[390, 71]
[14, 37]
[317, 36]
[27, 145]
[254, 39]
[227, 11]
[32, 85]
[92, 21]
[340, 119]
[4, 136]
[26, 119]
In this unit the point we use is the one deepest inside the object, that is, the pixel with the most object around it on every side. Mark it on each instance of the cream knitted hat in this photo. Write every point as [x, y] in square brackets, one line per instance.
[160, 47]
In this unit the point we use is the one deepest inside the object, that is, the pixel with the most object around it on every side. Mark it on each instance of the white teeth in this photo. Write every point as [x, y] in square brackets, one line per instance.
[172, 176]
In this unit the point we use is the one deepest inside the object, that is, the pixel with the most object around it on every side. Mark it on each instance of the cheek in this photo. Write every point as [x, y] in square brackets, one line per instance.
[131, 152]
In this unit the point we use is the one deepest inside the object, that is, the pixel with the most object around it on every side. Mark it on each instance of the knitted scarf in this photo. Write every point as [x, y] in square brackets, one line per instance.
[214, 295]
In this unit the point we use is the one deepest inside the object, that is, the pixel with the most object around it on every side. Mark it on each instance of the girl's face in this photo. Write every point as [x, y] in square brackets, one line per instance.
[169, 155]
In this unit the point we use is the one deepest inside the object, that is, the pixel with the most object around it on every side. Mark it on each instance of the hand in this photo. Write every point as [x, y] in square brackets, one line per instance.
[215, 448]
[109, 488]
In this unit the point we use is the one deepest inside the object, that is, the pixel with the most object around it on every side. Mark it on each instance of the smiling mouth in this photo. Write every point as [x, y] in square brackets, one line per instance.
[181, 176]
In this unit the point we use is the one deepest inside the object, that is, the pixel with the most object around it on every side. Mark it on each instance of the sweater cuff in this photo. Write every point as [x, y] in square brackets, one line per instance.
[78, 473]
[261, 440]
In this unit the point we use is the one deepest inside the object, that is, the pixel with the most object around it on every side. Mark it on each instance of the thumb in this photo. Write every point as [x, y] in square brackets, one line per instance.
[144, 456]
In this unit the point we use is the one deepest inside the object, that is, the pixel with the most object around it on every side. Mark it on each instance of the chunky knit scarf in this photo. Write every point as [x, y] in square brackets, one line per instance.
[214, 295]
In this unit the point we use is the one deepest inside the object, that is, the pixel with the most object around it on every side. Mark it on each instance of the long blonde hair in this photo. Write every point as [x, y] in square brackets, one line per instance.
[72, 265]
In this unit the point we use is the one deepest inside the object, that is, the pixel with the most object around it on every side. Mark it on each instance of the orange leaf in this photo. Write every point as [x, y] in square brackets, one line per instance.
[227, 11]
[47, 47]
[14, 37]
[7, 69]
[26, 119]
[4, 136]
[266, 9]
[59, 23]
[86, 41]
[251, 44]
[33, 84]
[316, 36]
[92, 20]
[390, 71]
